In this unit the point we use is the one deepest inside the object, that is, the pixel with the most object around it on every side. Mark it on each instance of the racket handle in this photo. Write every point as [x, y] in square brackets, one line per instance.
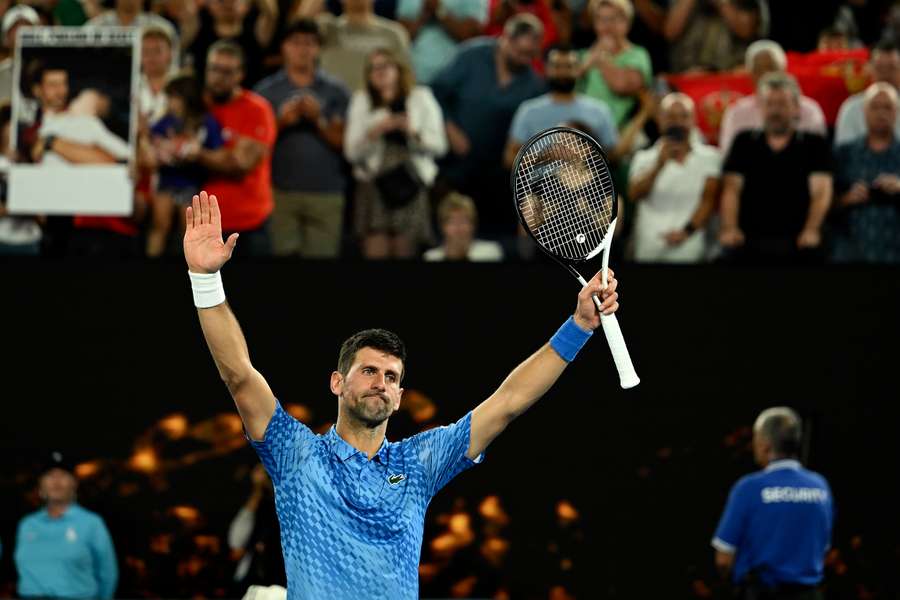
[627, 376]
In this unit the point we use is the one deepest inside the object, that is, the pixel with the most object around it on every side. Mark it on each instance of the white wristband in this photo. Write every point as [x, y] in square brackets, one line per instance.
[208, 290]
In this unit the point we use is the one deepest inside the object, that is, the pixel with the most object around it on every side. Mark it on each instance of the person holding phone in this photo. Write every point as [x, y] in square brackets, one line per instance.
[675, 183]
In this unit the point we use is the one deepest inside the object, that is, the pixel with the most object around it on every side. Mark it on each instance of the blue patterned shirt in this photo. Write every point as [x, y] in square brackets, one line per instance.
[867, 232]
[352, 527]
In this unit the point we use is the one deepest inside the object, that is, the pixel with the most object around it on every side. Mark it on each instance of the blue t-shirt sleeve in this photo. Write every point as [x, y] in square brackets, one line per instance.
[214, 138]
[284, 444]
[733, 523]
[442, 452]
[106, 569]
[409, 9]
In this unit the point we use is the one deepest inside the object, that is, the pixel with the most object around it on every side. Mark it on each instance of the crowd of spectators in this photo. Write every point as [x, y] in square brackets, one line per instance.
[383, 128]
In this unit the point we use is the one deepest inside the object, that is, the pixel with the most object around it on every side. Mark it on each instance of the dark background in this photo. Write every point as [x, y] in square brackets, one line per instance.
[93, 354]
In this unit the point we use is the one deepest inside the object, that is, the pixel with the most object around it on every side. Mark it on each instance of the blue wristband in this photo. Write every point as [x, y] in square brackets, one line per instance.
[569, 339]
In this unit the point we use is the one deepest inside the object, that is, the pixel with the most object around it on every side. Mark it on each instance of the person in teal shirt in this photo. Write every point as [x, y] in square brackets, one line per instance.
[64, 550]
[614, 70]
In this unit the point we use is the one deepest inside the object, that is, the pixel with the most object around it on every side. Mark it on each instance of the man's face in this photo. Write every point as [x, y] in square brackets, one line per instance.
[779, 111]
[520, 52]
[228, 10]
[57, 485]
[53, 90]
[300, 50]
[371, 390]
[881, 114]
[129, 5]
[156, 56]
[886, 67]
[676, 114]
[223, 75]
[562, 70]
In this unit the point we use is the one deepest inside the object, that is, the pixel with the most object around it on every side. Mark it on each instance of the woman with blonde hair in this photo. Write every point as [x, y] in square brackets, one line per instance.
[614, 70]
[394, 132]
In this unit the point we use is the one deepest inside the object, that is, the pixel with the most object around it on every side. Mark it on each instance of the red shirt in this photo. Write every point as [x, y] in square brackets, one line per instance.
[247, 202]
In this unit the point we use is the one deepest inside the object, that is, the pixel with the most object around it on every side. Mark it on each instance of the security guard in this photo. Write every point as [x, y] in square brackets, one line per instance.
[776, 527]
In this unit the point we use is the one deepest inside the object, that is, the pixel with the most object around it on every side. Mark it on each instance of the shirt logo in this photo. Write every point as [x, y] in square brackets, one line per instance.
[71, 536]
[395, 479]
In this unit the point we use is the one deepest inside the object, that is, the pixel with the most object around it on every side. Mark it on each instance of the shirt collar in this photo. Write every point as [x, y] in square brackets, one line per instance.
[66, 513]
[785, 463]
[344, 450]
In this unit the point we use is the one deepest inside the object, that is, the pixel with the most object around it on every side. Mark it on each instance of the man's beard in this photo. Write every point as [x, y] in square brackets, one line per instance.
[778, 126]
[220, 97]
[371, 413]
[563, 85]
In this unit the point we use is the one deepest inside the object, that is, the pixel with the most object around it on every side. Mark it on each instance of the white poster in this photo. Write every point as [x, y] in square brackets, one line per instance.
[74, 121]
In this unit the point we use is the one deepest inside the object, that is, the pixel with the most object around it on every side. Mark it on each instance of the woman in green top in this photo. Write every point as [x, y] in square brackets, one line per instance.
[614, 70]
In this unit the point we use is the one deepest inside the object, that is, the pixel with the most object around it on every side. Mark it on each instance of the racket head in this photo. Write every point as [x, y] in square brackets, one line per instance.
[564, 195]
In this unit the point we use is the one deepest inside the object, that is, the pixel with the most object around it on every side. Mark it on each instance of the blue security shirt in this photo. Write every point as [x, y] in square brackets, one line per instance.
[778, 524]
[351, 527]
[71, 556]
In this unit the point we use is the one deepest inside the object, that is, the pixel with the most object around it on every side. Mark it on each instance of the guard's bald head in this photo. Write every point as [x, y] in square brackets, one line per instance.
[781, 429]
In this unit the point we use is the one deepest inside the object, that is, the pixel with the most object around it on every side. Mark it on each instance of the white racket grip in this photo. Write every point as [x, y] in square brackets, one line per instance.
[627, 376]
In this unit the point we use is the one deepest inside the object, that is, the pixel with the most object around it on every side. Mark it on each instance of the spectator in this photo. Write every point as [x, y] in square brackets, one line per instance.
[436, 28]
[250, 24]
[254, 534]
[187, 124]
[349, 39]
[868, 184]
[14, 18]
[884, 65]
[776, 527]
[394, 132]
[64, 550]
[777, 183]
[676, 184]
[560, 105]
[18, 235]
[479, 93]
[307, 164]
[241, 177]
[614, 70]
[156, 67]
[832, 39]
[130, 13]
[763, 57]
[501, 10]
[713, 34]
[458, 220]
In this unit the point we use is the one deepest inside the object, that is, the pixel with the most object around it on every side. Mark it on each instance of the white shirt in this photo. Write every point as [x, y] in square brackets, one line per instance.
[425, 119]
[675, 195]
[152, 104]
[82, 129]
[479, 251]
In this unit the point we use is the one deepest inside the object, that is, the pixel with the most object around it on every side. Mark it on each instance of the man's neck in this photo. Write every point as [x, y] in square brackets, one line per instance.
[57, 509]
[365, 439]
[778, 141]
[157, 82]
[880, 141]
[562, 97]
[359, 18]
[302, 75]
[126, 17]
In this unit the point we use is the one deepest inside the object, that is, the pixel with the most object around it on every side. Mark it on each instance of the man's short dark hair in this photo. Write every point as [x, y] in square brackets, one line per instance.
[377, 339]
[229, 48]
[302, 27]
[887, 46]
[783, 429]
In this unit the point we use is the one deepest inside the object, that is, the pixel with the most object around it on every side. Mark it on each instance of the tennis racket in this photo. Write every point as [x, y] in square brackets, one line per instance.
[564, 196]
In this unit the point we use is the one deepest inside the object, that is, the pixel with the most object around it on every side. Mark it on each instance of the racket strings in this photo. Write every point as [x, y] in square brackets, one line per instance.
[564, 192]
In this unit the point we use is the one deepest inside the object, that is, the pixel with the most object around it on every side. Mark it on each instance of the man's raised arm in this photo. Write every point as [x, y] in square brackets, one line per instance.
[205, 253]
[531, 379]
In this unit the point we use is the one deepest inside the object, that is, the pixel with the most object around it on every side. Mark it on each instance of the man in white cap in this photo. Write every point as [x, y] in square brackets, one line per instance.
[17, 16]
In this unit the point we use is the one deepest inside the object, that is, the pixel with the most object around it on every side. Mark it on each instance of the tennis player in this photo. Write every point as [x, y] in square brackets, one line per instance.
[351, 504]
